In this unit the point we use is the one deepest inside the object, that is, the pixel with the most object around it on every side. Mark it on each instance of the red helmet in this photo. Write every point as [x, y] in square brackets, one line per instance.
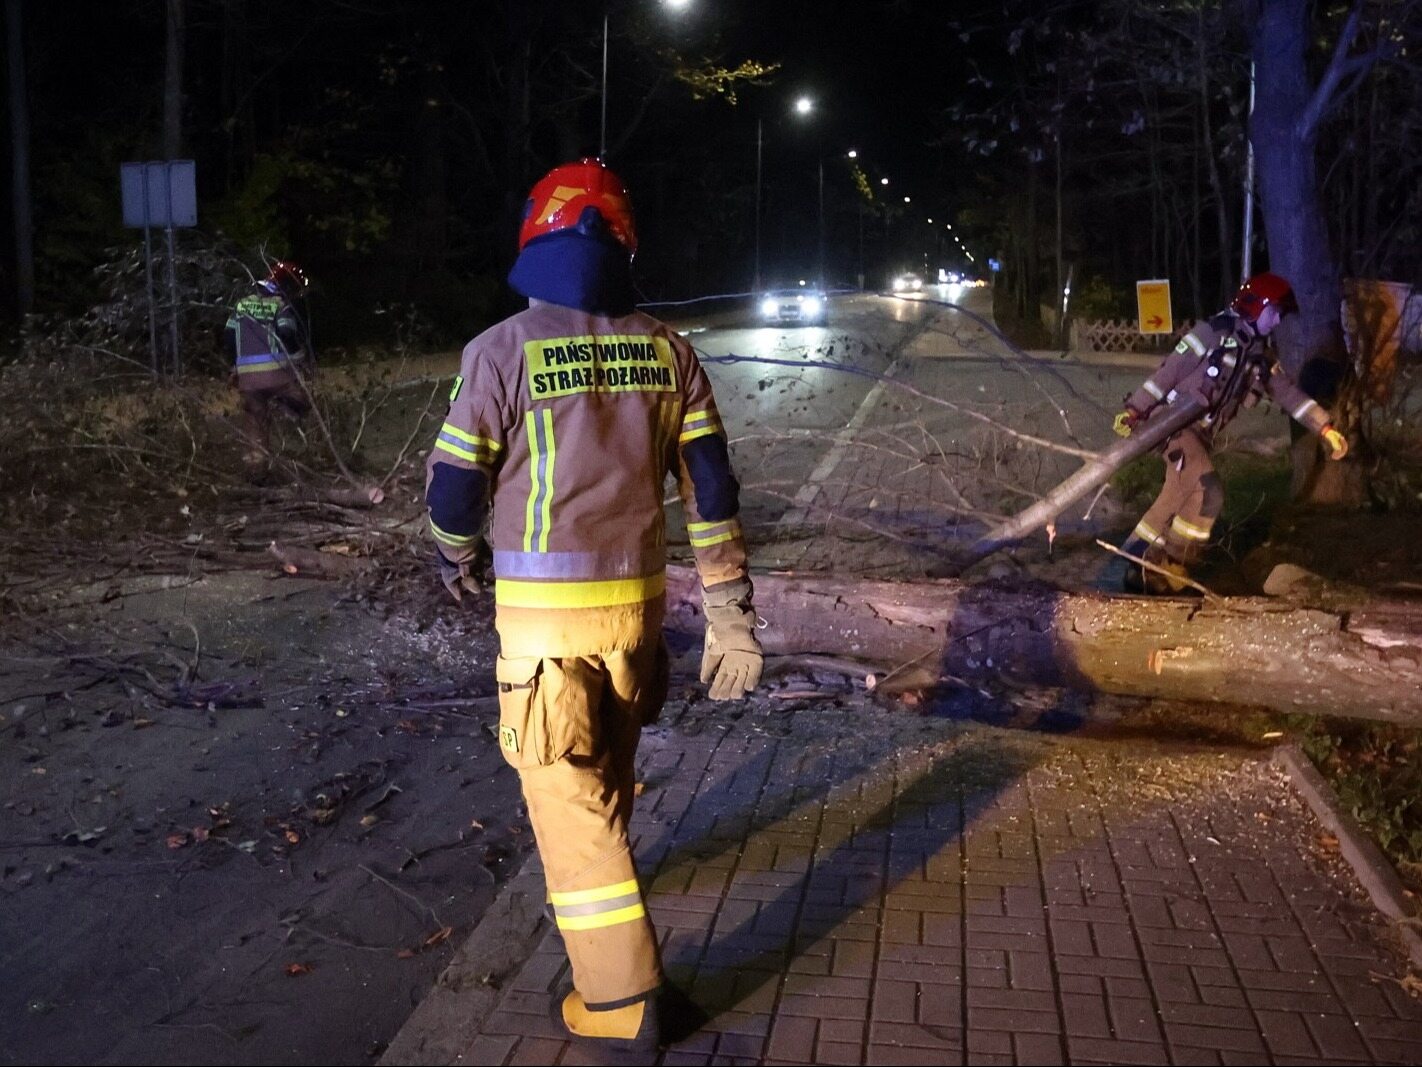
[564, 196]
[1260, 292]
[288, 277]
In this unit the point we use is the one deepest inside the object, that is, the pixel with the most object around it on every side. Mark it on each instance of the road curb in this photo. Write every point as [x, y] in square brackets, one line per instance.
[1374, 871]
[446, 1022]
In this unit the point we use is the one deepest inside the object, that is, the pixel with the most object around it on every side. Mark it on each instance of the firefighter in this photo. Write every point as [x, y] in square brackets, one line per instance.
[270, 346]
[565, 420]
[1225, 362]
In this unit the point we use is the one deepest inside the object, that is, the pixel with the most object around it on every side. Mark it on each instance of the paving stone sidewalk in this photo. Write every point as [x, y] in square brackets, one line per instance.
[848, 885]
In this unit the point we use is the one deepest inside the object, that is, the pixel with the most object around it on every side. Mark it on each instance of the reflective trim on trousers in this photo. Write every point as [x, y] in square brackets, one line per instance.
[596, 594]
[593, 909]
[1189, 530]
[1148, 534]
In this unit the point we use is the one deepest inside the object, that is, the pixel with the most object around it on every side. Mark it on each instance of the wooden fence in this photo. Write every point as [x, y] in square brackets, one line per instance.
[1121, 335]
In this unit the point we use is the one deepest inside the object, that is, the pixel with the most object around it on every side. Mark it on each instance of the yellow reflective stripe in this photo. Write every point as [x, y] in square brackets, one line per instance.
[463, 453]
[1190, 530]
[548, 480]
[592, 896]
[473, 439]
[1147, 533]
[534, 454]
[609, 918]
[703, 431]
[702, 535]
[695, 417]
[456, 540]
[699, 424]
[599, 594]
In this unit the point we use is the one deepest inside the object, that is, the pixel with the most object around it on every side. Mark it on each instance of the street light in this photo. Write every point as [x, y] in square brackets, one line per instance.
[883, 181]
[853, 153]
[907, 200]
[674, 5]
[803, 106]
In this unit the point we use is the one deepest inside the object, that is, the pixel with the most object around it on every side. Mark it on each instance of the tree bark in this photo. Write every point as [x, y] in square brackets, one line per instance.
[20, 202]
[1241, 652]
[173, 79]
[1310, 343]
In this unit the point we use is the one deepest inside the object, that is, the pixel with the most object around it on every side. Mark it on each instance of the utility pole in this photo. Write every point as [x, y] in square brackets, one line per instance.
[602, 137]
[759, 132]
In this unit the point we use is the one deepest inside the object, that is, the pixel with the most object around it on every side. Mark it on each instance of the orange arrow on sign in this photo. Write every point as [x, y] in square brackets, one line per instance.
[1155, 320]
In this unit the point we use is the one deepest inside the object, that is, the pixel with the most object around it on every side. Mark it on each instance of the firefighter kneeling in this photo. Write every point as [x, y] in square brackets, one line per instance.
[1225, 363]
[573, 467]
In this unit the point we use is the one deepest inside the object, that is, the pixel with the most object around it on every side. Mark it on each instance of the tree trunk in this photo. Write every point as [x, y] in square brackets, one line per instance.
[1310, 343]
[1243, 651]
[173, 80]
[20, 160]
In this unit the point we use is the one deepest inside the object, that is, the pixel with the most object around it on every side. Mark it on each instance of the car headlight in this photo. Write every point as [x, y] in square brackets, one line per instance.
[917, 284]
[811, 307]
[900, 285]
[770, 307]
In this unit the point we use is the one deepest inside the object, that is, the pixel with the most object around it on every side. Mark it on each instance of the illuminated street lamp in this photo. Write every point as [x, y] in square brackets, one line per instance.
[853, 153]
[674, 5]
[803, 106]
[883, 181]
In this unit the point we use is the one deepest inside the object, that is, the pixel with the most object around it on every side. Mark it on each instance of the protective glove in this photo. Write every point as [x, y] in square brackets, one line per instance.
[456, 577]
[733, 658]
[1336, 441]
[1125, 422]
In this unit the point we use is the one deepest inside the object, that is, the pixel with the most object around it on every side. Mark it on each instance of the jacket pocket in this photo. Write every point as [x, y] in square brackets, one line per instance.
[523, 722]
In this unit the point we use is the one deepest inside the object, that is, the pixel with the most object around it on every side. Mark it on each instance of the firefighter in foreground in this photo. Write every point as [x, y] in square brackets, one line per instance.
[566, 419]
[1226, 363]
[271, 356]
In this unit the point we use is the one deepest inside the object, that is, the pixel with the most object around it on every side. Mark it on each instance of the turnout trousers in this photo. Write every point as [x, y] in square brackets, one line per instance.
[258, 406]
[1180, 521]
[570, 725]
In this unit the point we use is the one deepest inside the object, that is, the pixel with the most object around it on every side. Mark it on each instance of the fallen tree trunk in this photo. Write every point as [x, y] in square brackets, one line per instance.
[1241, 650]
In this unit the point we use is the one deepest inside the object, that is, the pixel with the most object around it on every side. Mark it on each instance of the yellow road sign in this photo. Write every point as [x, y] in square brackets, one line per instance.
[1153, 306]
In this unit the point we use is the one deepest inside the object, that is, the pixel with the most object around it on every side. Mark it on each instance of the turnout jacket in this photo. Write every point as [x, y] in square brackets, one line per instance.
[1226, 364]
[264, 333]
[567, 423]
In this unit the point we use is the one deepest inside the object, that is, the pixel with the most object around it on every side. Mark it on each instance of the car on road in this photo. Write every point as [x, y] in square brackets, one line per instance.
[907, 283]
[796, 307]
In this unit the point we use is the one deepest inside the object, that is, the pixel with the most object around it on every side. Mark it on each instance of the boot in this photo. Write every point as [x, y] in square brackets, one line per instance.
[631, 1028]
[1170, 583]
[1132, 580]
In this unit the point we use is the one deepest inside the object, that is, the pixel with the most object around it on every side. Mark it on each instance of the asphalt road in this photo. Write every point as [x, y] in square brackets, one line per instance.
[908, 438]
